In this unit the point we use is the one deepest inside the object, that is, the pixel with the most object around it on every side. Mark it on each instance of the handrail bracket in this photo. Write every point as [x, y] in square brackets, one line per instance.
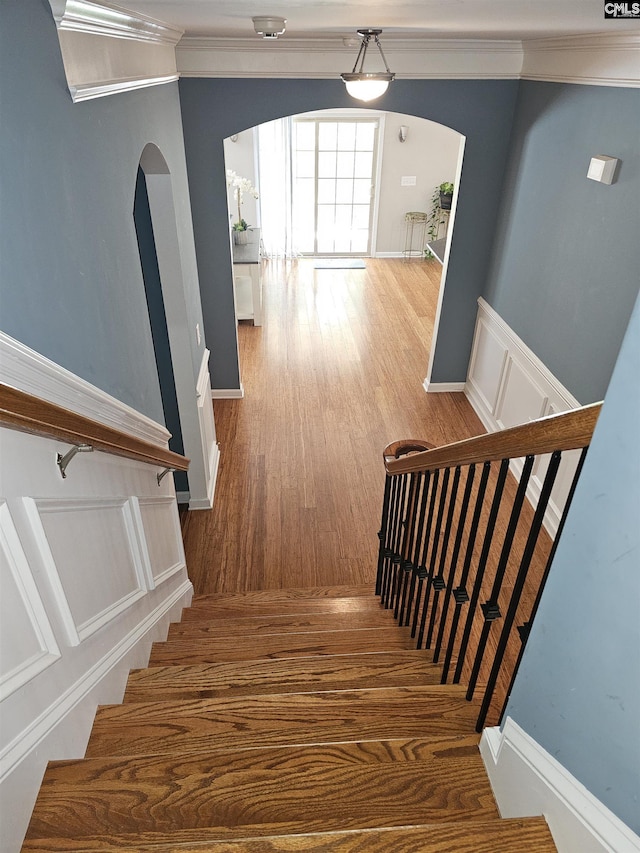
[163, 473]
[63, 461]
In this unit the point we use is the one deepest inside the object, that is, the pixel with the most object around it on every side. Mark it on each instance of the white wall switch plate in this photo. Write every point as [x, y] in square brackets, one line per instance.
[408, 181]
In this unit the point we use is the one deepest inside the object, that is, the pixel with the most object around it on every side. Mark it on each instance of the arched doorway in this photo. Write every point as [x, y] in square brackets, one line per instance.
[407, 172]
[184, 385]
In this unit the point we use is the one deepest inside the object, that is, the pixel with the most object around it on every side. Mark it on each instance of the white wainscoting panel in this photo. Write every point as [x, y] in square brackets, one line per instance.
[162, 537]
[23, 615]
[92, 571]
[93, 560]
[507, 385]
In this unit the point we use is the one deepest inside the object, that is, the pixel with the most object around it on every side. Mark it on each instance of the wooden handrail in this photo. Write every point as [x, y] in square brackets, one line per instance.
[565, 431]
[24, 412]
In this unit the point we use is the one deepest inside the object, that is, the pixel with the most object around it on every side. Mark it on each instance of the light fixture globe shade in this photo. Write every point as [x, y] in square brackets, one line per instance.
[366, 87]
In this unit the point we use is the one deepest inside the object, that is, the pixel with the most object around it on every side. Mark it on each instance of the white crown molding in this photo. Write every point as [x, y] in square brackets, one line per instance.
[106, 19]
[527, 781]
[90, 91]
[27, 370]
[600, 59]
[324, 58]
[604, 59]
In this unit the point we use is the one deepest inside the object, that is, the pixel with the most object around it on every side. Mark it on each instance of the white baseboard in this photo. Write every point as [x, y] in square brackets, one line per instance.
[389, 255]
[207, 503]
[527, 781]
[442, 387]
[63, 729]
[227, 393]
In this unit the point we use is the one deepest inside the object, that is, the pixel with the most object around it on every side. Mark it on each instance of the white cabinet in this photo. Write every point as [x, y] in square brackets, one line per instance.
[247, 280]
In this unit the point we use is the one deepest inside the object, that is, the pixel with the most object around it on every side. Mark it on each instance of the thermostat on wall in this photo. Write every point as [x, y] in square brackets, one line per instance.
[602, 168]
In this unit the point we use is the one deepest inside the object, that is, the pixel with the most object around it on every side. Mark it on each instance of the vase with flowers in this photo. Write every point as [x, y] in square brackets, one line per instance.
[240, 186]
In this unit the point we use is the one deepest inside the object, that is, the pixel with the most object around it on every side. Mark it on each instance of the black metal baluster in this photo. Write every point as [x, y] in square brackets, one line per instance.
[482, 564]
[460, 594]
[490, 608]
[388, 553]
[382, 534]
[396, 515]
[524, 630]
[518, 586]
[407, 540]
[454, 560]
[439, 582]
[406, 604]
[434, 555]
[422, 571]
[397, 538]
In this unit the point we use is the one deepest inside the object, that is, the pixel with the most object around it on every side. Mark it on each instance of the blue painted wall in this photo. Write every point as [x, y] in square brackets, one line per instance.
[578, 689]
[70, 276]
[566, 265]
[215, 109]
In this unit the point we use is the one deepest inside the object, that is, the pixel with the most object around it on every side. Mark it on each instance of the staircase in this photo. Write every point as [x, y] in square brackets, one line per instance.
[285, 720]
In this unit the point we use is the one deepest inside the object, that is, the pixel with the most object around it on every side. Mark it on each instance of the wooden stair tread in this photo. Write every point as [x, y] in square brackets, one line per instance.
[287, 675]
[511, 835]
[85, 771]
[288, 623]
[299, 718]
[321, 593]
[224, 804]
[281, 720]
[241, 606]
[280, 646]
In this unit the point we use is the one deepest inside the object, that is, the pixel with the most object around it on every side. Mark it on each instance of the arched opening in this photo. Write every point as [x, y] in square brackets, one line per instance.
[402, 173]
[184, 384]
[158, 321]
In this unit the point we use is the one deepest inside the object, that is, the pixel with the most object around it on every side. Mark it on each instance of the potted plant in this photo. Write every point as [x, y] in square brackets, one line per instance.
[445, 194]
[435, 217]
[240, 186]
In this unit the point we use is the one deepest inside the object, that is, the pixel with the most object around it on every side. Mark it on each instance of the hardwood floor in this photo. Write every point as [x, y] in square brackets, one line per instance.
[333, 375]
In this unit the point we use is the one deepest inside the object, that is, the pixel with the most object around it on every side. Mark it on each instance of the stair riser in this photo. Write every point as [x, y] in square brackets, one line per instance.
[281, 646]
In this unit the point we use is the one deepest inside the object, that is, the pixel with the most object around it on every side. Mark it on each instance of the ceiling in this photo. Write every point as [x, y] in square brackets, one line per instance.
[415, 19]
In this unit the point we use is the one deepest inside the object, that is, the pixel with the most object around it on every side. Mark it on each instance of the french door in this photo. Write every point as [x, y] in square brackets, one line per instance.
[333, 166]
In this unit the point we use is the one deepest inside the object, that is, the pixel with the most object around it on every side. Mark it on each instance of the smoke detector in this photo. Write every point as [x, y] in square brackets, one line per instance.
[269, 27]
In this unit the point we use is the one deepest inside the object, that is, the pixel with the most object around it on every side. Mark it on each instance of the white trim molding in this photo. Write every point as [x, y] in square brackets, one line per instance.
[28, 371]
[604, 59]
[320, 58]
[107, 49]
[156, 621]
[89, 91]
[107, 19]
[528, 781]
[227, 393]
[443, 387]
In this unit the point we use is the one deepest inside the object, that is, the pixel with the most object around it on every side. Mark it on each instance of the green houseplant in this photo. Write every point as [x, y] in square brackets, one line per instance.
[445, 194]
[440, 204]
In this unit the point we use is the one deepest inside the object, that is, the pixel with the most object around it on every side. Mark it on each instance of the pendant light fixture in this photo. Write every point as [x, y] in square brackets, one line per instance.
[363, 85]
